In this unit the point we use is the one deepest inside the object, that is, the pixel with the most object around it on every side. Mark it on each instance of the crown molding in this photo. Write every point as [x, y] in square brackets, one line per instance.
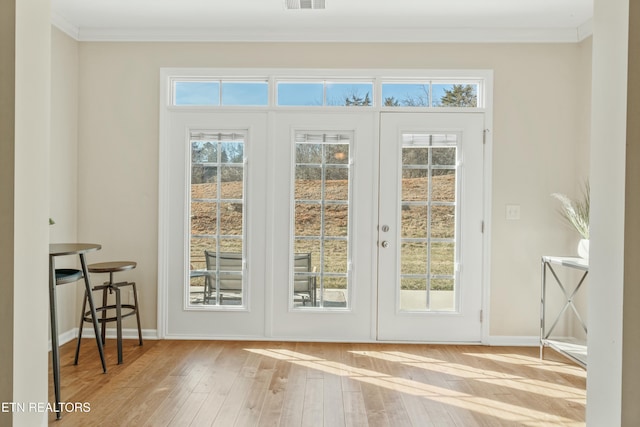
[585, 30]
[65, 26]
[363, 35]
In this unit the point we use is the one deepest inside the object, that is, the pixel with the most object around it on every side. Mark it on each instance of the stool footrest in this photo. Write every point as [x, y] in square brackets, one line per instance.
[113, 286]
[87, 315]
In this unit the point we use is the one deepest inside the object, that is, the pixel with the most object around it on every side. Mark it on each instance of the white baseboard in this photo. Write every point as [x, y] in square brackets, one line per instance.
[127, 334]
[513, 341]
[65, 337]
[72, 334]
[152, 334]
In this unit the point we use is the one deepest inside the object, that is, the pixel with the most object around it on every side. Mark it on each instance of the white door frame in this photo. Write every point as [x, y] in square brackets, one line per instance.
[166, 109]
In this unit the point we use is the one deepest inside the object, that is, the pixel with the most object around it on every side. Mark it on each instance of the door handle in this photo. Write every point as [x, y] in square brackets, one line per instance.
[385, 244]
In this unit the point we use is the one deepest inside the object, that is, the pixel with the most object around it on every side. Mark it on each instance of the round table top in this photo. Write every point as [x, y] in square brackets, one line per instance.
[113, 266]
[72, 248]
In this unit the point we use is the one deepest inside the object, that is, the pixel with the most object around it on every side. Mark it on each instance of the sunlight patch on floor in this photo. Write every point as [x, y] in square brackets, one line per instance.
[483, 375]
[506, 411]
[534, 363]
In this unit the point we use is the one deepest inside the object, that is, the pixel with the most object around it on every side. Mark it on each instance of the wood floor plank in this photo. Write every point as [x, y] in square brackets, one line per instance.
[349, 378]
[218, 390]
[312, 412]
[235, 399]
[232, 383]
[293, 406]
[333, 410]
[171, 405]
[274, 399]
[420, 402]
[250, 412]
[147, 400]
[187, 412]
[391, 398]
[355, 413]
[373, 383]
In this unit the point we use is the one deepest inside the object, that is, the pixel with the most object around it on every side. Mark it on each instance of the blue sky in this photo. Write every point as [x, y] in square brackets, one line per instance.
[233, 93]
[296, 93]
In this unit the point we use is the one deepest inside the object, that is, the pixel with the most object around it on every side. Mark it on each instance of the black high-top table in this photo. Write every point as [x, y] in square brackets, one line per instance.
[59, 277]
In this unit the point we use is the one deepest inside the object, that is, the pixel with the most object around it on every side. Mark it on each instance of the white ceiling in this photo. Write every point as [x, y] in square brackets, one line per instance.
[342, 20]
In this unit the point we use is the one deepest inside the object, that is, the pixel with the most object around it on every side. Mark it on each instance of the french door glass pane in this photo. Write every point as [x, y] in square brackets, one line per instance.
[337, 183]
[310, 180]
[415, 184]
[320, 258]
[336, 220]
[335, 257]
[444, 185]
[428, 222]
[217, 214]
[413, 258]
[308, 219]
[414, 221]
[443, 221]
[442, 258]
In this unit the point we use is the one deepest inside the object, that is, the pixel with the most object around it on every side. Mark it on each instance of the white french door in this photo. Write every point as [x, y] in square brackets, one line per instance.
[430, 227]
[213, 254]
[322, 249]
[351, 226]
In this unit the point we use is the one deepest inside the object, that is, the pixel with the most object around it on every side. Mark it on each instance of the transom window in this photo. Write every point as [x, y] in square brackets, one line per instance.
[457, 94]
[353, 92]
[204, 92]
[325, 93]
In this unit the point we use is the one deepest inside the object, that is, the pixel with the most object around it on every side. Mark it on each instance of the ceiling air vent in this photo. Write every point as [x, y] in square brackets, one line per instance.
[305, 4]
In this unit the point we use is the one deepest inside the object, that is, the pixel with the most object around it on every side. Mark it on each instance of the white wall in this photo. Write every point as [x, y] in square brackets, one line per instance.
[540, 91]
[31, 206]
[63, 177]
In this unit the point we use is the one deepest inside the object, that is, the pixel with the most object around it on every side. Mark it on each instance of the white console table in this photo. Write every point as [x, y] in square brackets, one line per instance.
[573, 349]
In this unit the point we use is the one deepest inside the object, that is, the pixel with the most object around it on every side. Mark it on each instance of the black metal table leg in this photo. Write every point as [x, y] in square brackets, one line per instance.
[55, 352]
[94, 315]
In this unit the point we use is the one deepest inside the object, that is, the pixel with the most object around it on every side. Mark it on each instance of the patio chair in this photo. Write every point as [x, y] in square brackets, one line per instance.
[229, 267]
[304, 284]
[230, 281]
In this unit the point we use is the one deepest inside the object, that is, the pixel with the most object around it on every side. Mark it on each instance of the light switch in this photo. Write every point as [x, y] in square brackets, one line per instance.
[513, 212]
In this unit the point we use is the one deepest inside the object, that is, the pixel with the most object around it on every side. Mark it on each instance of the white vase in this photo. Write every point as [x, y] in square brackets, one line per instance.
[583, 249]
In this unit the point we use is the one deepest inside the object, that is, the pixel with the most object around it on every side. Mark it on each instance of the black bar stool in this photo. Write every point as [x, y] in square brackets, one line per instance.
[111, 286]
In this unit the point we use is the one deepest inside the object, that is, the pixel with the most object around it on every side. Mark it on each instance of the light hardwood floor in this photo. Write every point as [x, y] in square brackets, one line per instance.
[230, 383]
